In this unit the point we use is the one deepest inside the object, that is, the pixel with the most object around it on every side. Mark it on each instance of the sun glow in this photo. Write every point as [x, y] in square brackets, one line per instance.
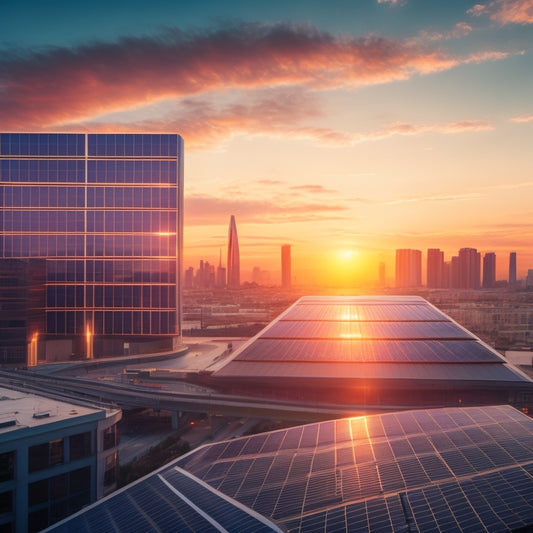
[351, 336]
[350, 316]
[346, 255]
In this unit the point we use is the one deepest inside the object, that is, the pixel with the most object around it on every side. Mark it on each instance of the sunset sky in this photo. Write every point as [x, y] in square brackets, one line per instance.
[344, 128]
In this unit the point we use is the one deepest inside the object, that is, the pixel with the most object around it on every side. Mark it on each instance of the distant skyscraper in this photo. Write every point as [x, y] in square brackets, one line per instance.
[234, 262]
[221, 273]
[408, 268]
[469, 268]
[286, 266]
[435, 264]
[446, 274]
[489, 270]
[454, 272]
[512, 268]
[205, 276]
[256, 275]
[529, 279]
[188, 280]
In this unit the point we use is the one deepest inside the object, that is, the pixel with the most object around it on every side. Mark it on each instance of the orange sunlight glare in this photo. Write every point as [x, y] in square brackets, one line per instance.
[348, 268]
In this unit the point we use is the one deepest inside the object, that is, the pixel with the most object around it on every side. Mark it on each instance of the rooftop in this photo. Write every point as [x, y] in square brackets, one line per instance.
[379, 343]
[461, 469]
[20, 410]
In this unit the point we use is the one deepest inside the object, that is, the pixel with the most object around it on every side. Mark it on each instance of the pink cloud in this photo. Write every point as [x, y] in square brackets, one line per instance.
[61, 86]
[506, 11]
[209, 128]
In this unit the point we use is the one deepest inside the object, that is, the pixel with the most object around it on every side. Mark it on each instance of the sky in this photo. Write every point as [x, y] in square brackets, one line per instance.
[347, 129]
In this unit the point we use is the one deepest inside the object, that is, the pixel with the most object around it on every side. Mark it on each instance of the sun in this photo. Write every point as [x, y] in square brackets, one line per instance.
[346, 255]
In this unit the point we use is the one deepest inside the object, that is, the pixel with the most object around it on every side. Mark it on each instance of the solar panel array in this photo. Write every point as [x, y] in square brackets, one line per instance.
[168, 502]
[389, 351]
[444, 469]
[353, 331]
[453, 469]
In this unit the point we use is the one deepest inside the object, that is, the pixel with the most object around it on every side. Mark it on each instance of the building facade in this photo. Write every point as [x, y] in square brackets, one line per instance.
[105, 212]
[489, 270]
[435, 268]
[469, 268]
[408, 268]
[22, 310]
[512, 268]
[234, 260]
[55, 458]
[286, 281]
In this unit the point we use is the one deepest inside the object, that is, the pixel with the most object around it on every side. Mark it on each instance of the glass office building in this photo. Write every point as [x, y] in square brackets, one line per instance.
[106, 212]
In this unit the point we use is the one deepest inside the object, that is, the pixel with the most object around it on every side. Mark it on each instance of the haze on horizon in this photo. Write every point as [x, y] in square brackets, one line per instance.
[346, 129]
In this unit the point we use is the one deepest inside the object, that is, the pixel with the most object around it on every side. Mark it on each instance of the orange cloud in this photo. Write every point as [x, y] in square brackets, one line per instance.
[436, 198]
[313, 189]
[506, 11]
[209, 210]
[274, 113]
[396, 128]
[522, 118]
[62, 86]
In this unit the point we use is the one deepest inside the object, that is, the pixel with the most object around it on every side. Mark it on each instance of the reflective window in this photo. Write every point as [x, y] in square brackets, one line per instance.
[111, 469]
[6, 505]
[80, 445]
[45, 455]
[7, 465]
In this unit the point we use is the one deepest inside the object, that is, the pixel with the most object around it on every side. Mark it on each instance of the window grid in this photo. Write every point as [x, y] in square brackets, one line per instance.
[105, 220]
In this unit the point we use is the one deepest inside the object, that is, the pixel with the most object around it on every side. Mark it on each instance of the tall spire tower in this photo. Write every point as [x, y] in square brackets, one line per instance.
[233, 266]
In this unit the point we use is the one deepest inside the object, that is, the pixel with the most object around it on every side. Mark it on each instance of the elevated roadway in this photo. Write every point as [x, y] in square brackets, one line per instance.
[129, 396]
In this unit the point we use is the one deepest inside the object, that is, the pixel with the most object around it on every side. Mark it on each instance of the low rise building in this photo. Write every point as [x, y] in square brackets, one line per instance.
[55, 458]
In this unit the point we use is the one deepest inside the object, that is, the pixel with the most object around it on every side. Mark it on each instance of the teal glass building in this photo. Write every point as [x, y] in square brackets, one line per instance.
[105, 211]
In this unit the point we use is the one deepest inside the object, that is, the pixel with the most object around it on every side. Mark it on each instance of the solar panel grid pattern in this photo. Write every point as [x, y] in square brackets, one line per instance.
[484, 374]
[350, 463]
[365, 337]
[304, 329]
[364, 312]
[446, 470]
[148, 506]
[376, 351]
[219, 508]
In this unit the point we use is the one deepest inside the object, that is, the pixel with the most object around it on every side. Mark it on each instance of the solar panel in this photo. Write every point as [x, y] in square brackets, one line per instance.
[291, 439]
[426, 470]
[221, 510]
[364, 311]
[364, 330]
[364, 350]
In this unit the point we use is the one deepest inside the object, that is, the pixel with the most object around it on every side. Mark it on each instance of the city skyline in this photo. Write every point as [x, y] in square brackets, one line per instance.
[411, 268]
[363, 129]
